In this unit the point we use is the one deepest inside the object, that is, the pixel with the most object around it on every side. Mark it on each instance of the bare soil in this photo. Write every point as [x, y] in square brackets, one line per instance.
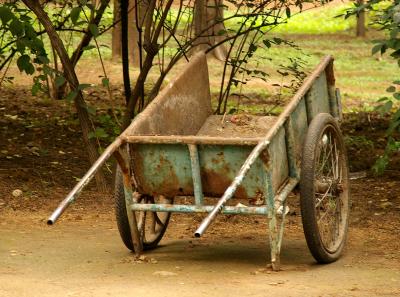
[240, 125]
[42, 155]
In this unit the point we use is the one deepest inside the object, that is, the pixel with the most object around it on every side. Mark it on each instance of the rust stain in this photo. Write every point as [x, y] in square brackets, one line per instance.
[169, 186]
[215, 161]
[215, 183]
[264, 156]
[137, 168]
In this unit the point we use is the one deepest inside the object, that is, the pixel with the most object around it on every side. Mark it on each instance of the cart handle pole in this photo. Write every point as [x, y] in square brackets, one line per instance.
[84, 181]
[230, 191]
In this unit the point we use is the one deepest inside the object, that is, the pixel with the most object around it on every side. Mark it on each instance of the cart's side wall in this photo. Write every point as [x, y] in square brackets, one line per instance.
[299, 125]
[182, 107]
[278, 160]
[163, 169]
[317, 98]
[320, 98]
[166, 169]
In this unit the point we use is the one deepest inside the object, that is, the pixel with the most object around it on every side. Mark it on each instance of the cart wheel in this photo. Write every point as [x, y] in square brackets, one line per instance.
[151, 225]
[324, 189]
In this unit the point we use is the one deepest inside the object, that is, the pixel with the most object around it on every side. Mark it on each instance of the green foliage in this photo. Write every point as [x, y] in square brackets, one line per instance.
[384, 160]
[359, 142]
[24, 64]
[94, 30]
[17, 29]
[107, 128]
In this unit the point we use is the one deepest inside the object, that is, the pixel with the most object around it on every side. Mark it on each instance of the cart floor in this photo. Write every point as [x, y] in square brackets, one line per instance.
[234, 126]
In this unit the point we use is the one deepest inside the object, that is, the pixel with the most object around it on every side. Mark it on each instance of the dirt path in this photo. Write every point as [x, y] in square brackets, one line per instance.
[83, 256]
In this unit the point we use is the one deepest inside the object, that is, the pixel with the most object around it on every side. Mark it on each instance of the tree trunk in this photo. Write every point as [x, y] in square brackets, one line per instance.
[133, 32]
[72, 79]
[361, 30]
[150, 45]
[208, 25]
[116, 32]
[60, 92]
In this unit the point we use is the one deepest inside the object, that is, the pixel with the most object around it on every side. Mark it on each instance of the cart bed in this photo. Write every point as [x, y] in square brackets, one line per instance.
[237, 126]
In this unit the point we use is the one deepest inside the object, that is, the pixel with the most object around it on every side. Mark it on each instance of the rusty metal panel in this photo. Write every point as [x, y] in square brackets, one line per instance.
[317, 98]
[166, 169]
[162, 169]
[220, 165]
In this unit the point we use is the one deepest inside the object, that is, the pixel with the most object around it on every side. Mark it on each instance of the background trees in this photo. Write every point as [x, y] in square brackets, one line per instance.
[151, 37]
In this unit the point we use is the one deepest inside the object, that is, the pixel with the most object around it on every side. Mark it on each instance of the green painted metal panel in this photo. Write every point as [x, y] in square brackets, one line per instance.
[318, 97]
[299, 127]
[278, 167]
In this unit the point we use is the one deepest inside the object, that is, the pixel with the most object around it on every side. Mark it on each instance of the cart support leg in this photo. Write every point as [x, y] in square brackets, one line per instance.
[274, 242]
[197, 186]
[274, 238]
[136, 240]
[129, 200]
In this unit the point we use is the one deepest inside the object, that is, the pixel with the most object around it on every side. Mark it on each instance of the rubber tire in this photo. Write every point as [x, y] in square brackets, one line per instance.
[120, 211]
[307, 198]
[122, 217]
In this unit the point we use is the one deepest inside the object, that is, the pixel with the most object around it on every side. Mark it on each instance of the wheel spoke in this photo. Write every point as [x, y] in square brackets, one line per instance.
[142, 226]
[158, 220]
[328, 203]
[322, 217]
[336, 163]
[153, 223]
[323, 197]
[324, 160]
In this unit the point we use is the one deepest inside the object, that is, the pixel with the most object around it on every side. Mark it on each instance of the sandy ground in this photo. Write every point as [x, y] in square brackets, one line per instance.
[83, 256]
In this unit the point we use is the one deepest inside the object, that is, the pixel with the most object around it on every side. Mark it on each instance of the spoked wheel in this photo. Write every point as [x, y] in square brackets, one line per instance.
[151, 225]
[324, 189]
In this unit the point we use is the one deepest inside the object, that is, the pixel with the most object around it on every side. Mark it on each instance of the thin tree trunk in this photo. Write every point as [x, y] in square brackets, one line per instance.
[123, 11]
[200, 22]
[360, 29]
[116, 32]
[60, 92]
[133, 27]
[73, 81]
[150, 45]
[77, 54]
[209, 28]
[133, 33]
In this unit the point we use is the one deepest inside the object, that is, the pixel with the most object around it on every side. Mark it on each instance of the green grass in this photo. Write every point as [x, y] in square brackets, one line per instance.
[361, 77]
[322, 20]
